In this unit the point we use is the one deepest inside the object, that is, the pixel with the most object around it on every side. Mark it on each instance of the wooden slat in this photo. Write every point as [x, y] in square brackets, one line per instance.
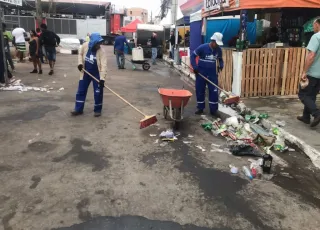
[270, 52]
[260, 82]
[264, 76]
[252, 76]
[297, 71]
[229, 65]
[243, 76]
[290, 64]
[273, 62]
[284, 72]
[293, 68]
[277, 71]
[248, 73]
[256, 73]
[274, 71]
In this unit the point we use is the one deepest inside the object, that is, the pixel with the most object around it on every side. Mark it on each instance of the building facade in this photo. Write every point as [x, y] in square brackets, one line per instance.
[136, 13]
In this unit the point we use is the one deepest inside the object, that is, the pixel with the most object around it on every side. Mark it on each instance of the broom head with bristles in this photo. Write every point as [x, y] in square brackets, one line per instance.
[147, 121]
[231, 100]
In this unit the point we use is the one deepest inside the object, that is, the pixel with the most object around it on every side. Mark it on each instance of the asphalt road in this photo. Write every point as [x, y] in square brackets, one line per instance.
[66, 173]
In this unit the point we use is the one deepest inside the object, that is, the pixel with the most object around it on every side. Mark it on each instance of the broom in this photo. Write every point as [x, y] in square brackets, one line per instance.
[232, 99]
[146, 121]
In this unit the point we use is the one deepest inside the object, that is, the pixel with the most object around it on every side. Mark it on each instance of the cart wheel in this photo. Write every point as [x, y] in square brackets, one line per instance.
[165, 112]
[146, 66]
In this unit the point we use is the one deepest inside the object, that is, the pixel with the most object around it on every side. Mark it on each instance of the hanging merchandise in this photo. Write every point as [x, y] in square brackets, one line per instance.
[244, 20]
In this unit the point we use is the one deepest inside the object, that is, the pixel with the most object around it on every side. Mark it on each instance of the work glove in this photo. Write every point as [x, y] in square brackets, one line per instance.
[80, 67]
[101, 84]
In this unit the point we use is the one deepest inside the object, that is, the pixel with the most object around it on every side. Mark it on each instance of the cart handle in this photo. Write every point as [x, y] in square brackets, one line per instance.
[159, 87]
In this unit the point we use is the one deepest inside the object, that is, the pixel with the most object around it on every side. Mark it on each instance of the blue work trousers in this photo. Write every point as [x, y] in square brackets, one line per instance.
[201, 91]
[82, 94]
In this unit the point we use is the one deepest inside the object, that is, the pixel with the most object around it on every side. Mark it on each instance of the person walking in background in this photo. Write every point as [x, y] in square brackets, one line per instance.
[119, 49]
[154, 47]
[172, 41]
[7, 36]
[34, 50]
[311, 74]
[209, 65]
[92, 59]
[41, 53]
[88, 37]
[49, 40]
[20, 42]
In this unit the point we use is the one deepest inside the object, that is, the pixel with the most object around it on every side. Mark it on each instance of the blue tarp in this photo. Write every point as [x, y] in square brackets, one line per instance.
[229, 28]
[195, 35]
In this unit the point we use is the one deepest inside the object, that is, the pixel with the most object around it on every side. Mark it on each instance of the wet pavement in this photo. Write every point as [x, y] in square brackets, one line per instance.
[64, 173]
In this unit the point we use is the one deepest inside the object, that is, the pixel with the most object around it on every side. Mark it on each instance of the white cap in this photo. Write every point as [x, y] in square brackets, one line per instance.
[218, 38]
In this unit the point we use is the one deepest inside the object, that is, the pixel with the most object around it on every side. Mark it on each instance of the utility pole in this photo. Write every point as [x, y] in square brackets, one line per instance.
[151, 17]
[39, 12]
[174, 11]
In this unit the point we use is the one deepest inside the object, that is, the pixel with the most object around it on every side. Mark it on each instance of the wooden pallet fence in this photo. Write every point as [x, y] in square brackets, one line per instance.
[225, 78]
[270, 72]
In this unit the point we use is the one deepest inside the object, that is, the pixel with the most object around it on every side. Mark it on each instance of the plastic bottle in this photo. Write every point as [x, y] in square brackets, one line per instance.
[247, 172]
[267, 163]
[254, 172]
[238, 45]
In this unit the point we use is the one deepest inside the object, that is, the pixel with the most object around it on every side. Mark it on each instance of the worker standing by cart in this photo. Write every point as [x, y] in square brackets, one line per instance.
[209, 54]
[119, 49]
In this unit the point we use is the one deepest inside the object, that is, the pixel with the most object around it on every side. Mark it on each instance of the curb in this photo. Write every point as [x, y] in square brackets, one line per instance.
[226, 112]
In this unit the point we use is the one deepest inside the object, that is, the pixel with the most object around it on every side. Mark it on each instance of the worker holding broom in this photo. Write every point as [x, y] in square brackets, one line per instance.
[209, 65]
[93, 60]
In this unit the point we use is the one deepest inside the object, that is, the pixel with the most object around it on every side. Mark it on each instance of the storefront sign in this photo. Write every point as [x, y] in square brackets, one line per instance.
[215, 4]
[13, 2]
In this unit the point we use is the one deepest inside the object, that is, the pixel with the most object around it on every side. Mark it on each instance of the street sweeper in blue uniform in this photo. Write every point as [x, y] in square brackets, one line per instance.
[209, 65]
[92, 59]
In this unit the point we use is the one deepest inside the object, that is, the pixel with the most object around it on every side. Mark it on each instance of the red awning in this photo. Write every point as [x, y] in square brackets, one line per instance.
[235, 5]
[131, 27]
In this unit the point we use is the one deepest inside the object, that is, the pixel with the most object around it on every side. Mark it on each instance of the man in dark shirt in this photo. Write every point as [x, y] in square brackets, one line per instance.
[172, 40]
[119, 49]
[49, 40]
[154, 47]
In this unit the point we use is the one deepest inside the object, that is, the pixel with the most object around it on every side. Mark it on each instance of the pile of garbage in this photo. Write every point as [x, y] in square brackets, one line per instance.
[166, 136]
[246, 137]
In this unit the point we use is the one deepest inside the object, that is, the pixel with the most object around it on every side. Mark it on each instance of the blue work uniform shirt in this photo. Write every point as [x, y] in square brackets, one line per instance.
[119, 43]
[91, 64]
[207, 58]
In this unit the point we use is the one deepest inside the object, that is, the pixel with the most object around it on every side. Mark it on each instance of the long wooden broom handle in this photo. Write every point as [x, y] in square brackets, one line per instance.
[115, 93]
[228, 94]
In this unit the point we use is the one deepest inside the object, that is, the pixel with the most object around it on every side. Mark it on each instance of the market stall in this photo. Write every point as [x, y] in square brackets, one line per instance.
[195, 30]
[272, 64]
[131, 27]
